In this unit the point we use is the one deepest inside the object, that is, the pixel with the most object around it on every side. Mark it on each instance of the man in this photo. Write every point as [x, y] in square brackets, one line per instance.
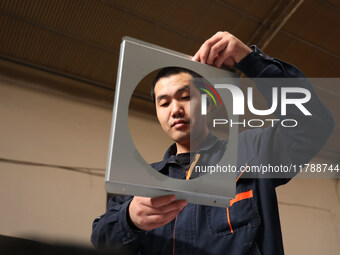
[250, 223]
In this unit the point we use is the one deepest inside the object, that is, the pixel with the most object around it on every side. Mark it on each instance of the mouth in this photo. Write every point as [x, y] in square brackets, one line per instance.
[179, 123]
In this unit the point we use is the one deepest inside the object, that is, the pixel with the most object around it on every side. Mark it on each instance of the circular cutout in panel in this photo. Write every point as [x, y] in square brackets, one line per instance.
[172, 119]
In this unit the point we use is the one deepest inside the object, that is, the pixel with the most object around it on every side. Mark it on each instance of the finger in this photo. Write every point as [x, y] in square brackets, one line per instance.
[216, 49]
[176, 205]
[156, 202]
[142, 216]
[157, 218]
[223, 59]
[225, 56]
[206, 46]
[196, 57]
[142, 206]
[229, 62]
[157, 221]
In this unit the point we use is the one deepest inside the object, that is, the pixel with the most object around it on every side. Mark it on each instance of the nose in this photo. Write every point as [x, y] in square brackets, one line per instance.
[177, 110]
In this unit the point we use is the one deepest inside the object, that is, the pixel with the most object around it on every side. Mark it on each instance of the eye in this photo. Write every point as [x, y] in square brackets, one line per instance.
[186, 98]
[164, 104]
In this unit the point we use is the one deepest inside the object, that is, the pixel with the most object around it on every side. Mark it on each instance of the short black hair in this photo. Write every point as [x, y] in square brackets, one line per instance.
[167, 72]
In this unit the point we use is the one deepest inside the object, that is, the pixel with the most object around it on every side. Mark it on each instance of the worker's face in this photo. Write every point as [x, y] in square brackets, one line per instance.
[174, 98]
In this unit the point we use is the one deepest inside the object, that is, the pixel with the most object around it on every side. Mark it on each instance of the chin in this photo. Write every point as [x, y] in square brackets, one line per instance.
[181, 138]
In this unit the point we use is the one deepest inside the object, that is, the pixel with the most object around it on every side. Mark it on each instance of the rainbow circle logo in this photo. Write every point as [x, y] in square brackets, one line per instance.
[212, 94]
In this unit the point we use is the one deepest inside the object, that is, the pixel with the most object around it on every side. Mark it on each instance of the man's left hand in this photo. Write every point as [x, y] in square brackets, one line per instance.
[222, 49]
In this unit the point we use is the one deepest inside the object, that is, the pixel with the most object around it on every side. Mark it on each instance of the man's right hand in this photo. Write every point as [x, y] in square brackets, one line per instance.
[149, 213]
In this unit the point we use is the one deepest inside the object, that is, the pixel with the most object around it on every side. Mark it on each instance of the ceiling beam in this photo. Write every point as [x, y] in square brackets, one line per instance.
[274, 21]
[330, 6]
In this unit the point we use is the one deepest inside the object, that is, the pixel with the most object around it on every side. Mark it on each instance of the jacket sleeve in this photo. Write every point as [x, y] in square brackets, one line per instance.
[112, 230]
[285, 145]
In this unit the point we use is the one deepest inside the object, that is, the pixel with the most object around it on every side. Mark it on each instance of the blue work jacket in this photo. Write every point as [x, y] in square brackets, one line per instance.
[250, 224]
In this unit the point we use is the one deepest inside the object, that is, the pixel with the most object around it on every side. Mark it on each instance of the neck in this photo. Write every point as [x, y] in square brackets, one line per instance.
[194, 143]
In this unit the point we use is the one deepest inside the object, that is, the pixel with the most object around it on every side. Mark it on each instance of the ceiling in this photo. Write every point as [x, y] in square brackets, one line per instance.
[80, 39]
